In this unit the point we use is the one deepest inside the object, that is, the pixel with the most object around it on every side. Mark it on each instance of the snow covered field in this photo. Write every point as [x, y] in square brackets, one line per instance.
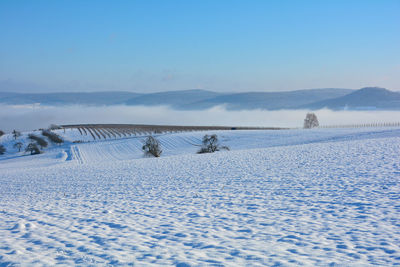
[293, 197]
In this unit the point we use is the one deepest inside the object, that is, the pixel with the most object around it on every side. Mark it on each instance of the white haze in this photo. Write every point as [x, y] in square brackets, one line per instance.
[29, 117]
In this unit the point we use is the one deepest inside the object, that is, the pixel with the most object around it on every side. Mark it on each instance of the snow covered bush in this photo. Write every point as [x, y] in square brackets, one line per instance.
[54, 127]
[2, 150]
[311, 121]
[33, 149]
[152, 147]
[53, 137]
[40, 141]
[211, 144]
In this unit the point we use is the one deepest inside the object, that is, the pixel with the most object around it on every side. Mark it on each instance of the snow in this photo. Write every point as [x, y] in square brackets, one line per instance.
[293, 197]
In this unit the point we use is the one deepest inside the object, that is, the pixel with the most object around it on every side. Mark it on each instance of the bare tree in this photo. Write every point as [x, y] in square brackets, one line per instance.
[152, 147]
[33, 149]
[2, 150]
[16, 134]
[211, 144]
[311, 121]
[18, 145]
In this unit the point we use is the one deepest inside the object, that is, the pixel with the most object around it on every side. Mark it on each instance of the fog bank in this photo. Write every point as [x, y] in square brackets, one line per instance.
[29, 117]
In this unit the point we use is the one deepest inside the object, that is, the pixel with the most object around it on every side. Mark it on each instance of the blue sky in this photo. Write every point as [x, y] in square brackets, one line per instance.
[218, 45]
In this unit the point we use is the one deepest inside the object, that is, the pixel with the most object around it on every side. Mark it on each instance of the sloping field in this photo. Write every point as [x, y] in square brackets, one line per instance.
[189, 142]
[319, 197]
[109, 131]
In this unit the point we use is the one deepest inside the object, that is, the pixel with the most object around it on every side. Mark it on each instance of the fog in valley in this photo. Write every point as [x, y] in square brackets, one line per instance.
[29, 117]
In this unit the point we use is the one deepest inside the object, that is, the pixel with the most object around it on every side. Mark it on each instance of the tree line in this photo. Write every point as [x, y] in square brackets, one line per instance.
[36, 144]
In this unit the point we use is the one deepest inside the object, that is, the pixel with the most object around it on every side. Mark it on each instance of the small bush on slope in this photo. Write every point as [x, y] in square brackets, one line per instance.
[53, 137]
[33, 149]
[54, 127]
[1, 133]
[2, 150]
[40, 141]
[211, 144]
[152, 147]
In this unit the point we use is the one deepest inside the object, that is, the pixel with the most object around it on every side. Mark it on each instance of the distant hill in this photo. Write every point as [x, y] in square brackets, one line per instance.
[269, 100]
[176, 99]
[93, 98]
[7, 94]
[332, 98]
[368, 98]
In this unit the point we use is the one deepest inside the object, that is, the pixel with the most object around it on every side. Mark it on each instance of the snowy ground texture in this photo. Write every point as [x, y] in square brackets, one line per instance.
[295, 197]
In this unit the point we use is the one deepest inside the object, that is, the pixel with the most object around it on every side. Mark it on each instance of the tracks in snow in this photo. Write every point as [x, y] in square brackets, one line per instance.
[188, 143]
[74, 154]
[130, 148]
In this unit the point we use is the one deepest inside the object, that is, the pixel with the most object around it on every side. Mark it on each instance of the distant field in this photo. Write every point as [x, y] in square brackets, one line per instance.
[105, 131]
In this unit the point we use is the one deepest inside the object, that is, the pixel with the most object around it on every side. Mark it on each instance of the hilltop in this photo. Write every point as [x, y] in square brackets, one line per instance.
[196, 99]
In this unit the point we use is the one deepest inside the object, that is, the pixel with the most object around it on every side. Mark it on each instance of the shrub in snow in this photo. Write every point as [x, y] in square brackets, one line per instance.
[53, 137]
[310, 121]
[54, 127]
[1, 133]
[16, 134]
[2, 150]
[40, 141]
[18, 145]
[32, 148]
[211, 144]
[152, 147]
